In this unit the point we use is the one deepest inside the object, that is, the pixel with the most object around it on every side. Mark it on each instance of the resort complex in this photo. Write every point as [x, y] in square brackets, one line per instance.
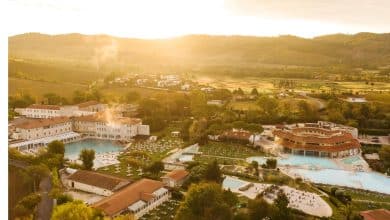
[45, 123]
[321, 140]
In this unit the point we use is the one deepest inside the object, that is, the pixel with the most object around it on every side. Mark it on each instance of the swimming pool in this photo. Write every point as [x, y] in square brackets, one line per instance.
[72, 150]
[297, 160]
[351, 160]
[185, 158]
[232, 183]
[363, 180]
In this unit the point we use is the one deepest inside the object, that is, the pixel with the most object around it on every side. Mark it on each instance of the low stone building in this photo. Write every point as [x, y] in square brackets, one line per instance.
[135, 200]
[175, 178]
[94, 182]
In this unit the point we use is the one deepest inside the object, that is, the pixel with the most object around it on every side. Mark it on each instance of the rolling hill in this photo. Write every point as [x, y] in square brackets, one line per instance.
[197, 51]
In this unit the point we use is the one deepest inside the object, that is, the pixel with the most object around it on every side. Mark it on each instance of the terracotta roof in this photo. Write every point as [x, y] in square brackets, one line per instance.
[312, 137]
[140, 190]
[104, 117]
[377, 214]
[315, 129]
[334, 148]
[87, 104]
[50, 107]
[100, 180]
[237, 134]
[176, 174]
[37, 123]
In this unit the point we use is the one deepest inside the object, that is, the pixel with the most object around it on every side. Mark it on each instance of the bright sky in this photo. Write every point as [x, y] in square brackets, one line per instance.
[169, 18]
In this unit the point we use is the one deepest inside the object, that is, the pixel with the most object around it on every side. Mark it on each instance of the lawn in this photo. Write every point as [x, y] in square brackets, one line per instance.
[143, 154]
[165, 211]
[118, 92]
[361, 194]
[229, 150]
[361, 200]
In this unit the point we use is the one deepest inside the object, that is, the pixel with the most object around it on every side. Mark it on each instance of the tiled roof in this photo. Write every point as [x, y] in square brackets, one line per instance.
[335, 148]
[87, 104]
[176, 174]
[100, 180]
[377, 214]
[37, 123]
[236, 134]
[140, 190]
[102, 117]
[50, 107]
[314, 138]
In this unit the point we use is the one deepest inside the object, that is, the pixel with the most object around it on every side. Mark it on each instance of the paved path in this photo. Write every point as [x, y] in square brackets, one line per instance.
[223, 157]
[45, 207]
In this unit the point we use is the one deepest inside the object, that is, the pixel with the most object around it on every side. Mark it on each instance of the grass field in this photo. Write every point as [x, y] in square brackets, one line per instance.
[117, 92]
[38, 88]
[247, 105]
[267, 84]
[229, 150]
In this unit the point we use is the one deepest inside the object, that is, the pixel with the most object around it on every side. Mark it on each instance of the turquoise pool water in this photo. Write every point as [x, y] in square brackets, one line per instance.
[232, 183]
[186, 158]
[351, 160]
[297, 160]
[363, 180]
[72, 150]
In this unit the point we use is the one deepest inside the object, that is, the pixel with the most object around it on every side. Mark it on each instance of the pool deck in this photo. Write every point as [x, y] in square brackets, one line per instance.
[306, 202]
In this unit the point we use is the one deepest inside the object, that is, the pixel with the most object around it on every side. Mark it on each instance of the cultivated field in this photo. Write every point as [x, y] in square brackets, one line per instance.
[38, 88]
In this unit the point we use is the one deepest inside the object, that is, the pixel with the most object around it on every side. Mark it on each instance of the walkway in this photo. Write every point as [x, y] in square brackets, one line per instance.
[45, 207]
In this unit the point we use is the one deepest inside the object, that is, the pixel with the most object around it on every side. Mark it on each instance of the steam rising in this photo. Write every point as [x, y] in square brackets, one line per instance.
[107, 52]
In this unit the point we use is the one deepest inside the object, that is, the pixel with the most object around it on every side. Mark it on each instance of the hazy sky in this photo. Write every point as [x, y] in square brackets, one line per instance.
[168, 18]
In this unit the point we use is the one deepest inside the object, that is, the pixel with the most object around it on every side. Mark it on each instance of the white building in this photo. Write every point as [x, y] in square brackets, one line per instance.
[185, 87]
[356, 100]
[106, 126]
[137, 199]
[33, 133]
[39, 111]
[92, 106]
[39, 128]
[175, 178]
[94, 182]
[215, 102]
[51, 111]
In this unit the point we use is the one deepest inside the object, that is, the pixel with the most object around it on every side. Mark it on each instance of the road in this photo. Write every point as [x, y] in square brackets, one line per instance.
[45, 207]
[320, 103]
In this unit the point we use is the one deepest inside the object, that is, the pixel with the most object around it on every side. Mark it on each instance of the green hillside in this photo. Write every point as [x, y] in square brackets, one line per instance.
[199, 51]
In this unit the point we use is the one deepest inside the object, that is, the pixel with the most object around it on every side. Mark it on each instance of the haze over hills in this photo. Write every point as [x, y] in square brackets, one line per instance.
[360, 50]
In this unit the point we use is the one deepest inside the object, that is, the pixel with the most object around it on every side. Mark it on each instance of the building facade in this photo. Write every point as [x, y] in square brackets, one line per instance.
[92, 106]
[51, 111]
[103, 126]
[175, 178]
[41, 128]
[96, 183]
[39, 111]
[321, 141]
[135, 200]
